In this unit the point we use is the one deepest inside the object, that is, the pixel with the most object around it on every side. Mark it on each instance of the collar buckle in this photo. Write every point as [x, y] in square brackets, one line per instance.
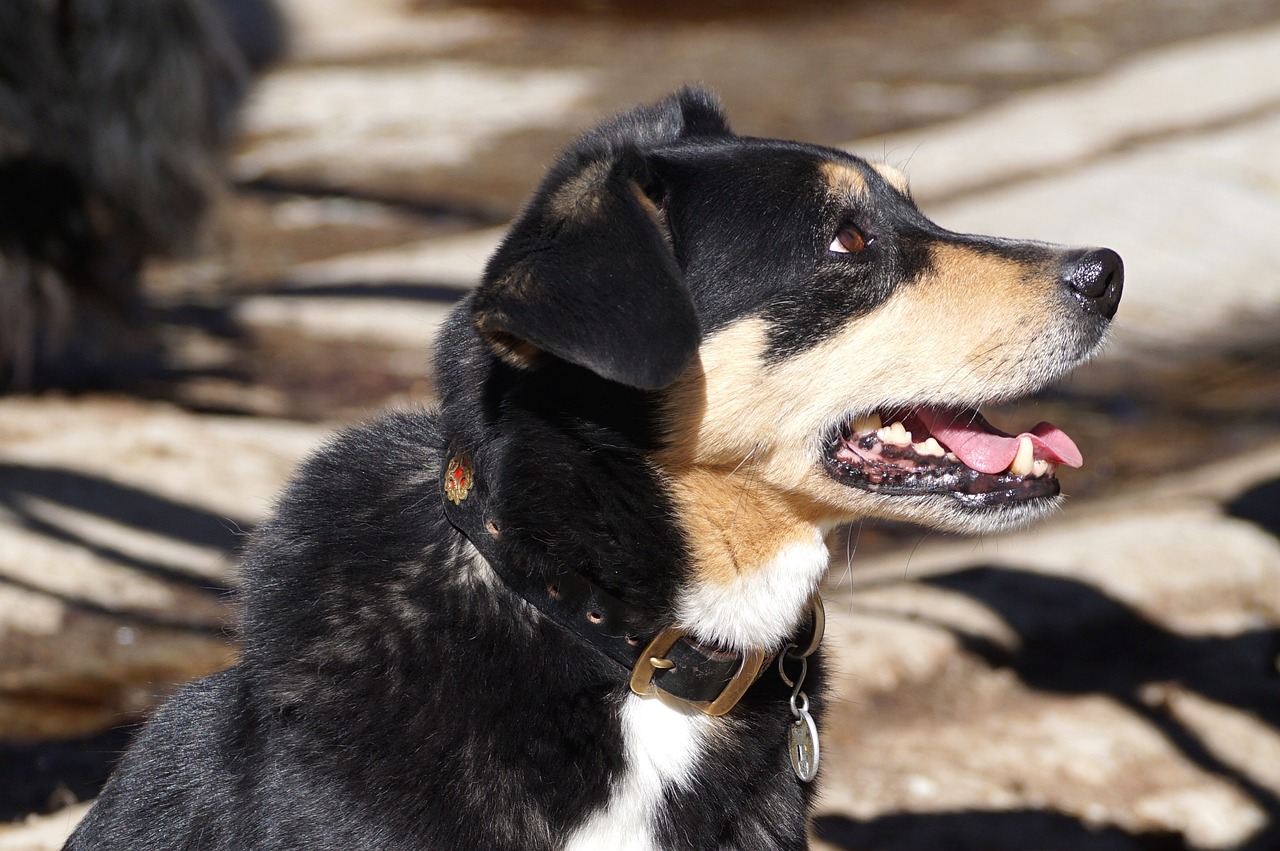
[653, 659]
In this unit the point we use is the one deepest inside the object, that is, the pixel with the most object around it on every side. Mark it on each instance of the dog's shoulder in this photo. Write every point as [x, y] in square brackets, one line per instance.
[187, 763]
[365, 475]
[359, 531]
[390, 453]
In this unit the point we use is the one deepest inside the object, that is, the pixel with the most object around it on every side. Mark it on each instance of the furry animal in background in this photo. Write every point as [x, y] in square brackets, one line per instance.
[115, 117]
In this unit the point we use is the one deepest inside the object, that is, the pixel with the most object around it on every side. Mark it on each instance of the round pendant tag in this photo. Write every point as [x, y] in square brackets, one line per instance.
[802, 746]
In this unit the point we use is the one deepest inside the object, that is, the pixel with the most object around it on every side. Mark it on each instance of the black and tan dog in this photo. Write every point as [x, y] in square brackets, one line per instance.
[548, 614]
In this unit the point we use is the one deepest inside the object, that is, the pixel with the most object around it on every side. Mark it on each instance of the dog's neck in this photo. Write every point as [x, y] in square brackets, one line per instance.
[757, 555]
[738, 616]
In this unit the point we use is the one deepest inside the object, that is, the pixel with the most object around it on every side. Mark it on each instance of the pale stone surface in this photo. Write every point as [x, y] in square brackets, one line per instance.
[444, 269]
[1161, 570]
[1173, 90]
[1192, 213]
[345, 123]
[451, 261]
[1003, 749]
[341, 31]
[882, 654]
[117, 522]
[42, 833]
[397, 322]
[1169, 160]
[1194, 225]
[1237, 738]
[228, 465]
[1186, 567]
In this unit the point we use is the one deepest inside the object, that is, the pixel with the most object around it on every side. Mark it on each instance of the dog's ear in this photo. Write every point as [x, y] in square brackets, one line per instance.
[586, 273]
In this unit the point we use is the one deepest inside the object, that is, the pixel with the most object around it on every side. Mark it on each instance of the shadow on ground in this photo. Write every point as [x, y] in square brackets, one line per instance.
[42, 776]
[23, 488]
[1016, 830]
[45, 776]
[1074, 639]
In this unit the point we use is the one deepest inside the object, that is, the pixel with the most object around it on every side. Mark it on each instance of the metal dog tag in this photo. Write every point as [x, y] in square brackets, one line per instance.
[802, 740]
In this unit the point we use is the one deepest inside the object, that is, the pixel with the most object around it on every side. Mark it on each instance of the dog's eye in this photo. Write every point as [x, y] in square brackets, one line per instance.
[849, 240]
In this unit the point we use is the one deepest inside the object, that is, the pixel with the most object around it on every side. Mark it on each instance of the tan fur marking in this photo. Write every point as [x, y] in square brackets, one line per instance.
[976, 329]
[517, 352]
[736, 523]
[579, 198]
[845, 180]
[645, 202]
[892, 176]
[516, 285]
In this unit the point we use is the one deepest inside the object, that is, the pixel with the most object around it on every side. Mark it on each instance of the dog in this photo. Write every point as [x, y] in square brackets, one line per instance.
[115, 119]
[574, 606]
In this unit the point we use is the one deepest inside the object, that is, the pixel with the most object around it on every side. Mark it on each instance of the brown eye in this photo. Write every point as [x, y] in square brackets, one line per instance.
[849, 240]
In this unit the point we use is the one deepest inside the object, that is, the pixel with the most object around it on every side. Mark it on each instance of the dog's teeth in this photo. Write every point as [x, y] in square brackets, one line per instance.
[1024, 461]
[867, 424]
[896, 434]
[930, 447]
[1040, 468]
[951, 456]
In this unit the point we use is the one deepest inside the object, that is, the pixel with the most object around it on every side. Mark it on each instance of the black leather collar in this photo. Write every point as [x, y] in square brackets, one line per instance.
[710, 679]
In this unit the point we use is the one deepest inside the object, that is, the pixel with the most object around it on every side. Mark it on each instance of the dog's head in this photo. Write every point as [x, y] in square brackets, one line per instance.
[816, 349]
[790, 303]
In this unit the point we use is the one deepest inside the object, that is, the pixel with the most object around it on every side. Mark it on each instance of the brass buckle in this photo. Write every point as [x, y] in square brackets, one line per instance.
[642, 674]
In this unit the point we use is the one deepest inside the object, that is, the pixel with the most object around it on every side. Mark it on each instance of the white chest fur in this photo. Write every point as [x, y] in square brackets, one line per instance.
[661, 745]
[761, 605]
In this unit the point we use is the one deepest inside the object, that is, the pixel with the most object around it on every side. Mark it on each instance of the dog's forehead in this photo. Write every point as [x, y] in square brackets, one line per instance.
[784, 177]
[843, 171]
[854, 179]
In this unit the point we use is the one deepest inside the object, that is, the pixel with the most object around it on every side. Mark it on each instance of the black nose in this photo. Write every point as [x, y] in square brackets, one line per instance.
[1096, 279]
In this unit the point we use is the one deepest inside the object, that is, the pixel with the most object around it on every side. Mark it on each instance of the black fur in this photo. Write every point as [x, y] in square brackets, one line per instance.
[393, 692]
[394, 695]
[115, 116]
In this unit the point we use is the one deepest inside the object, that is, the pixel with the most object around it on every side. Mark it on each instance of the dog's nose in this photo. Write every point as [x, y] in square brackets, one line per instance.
[1096, 278]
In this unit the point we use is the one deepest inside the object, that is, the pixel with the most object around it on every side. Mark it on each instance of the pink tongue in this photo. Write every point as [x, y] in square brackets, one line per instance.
[987, 450]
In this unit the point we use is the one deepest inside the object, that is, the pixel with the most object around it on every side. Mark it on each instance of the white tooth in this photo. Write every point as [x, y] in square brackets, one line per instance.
[1024, 460]
[930, 447]
[1040, 467]
[896, 434]
[951, 456]
[867, 424]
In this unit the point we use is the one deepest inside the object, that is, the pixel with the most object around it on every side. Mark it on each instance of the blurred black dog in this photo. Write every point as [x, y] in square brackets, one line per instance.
[115, 116]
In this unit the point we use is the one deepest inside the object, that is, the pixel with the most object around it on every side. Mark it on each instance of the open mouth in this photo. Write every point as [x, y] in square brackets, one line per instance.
[951, 452]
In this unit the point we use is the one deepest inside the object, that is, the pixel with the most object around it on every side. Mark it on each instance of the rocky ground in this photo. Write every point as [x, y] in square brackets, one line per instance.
[1106, 681]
